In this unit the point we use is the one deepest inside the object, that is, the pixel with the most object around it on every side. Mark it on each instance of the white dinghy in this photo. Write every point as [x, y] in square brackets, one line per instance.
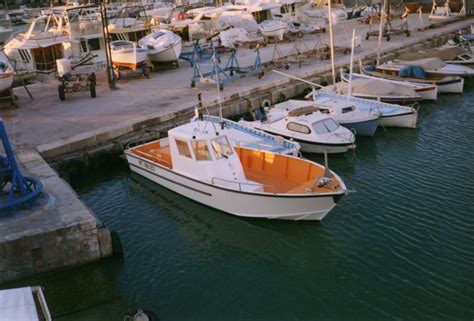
[197, 161]
[162, 45]
[127, 53]
[314, 131]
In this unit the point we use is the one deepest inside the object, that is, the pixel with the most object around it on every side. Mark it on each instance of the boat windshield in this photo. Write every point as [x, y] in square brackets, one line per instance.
[325, 126]
[221, 147]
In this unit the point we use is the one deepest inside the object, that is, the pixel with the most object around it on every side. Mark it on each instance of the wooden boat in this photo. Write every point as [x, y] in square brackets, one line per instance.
[425, 91]
[445, 84]
[374, 89]
[197, 161]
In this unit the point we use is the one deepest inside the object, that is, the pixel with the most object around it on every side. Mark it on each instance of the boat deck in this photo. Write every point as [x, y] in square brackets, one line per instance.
[156, 153]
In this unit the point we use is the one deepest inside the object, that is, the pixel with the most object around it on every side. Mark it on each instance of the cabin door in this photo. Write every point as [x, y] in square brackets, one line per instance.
[45, 58]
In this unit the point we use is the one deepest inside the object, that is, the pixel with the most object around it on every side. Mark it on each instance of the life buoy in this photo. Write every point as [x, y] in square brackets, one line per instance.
[265, 103]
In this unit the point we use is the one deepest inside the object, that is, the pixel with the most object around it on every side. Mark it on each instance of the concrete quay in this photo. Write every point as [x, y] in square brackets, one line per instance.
[64, 232]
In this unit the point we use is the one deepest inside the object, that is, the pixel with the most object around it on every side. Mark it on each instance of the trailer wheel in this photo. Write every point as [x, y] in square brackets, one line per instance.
[146, 73]
[193, 84]
[62, 92]
[119, 75]
[324, 30]
[408, 33]
[92, 89]
[367, 36]
[388, 38]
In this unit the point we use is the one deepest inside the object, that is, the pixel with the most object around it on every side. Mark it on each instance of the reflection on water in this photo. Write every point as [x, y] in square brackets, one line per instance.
[399, 247]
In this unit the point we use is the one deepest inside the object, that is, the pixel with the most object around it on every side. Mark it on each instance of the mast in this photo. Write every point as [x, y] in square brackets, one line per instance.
[331, 43]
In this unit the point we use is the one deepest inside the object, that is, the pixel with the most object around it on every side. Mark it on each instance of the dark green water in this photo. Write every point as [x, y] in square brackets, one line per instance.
[401, 247]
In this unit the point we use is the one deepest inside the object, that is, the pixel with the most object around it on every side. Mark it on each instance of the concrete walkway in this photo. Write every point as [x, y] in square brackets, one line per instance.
[49, 122]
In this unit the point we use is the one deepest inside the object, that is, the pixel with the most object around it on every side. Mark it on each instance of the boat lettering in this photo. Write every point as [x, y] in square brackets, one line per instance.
[146, 165]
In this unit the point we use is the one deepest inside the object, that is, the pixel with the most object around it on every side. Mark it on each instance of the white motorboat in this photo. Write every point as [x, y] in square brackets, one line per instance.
[247, 137]
[391, 115]
[274, 28]
[426, 91]
[127, 53]
[314, 131]
[162, 46]
[197, 161]
[362, 123]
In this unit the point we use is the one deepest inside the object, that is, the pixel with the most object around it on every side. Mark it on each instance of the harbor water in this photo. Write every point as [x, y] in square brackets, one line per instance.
[399, 247]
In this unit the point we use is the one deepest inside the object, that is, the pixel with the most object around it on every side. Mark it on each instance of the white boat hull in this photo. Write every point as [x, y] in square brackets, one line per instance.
[406, 120]
[170, 54]
[6, 81]
[244, 204]
[453, 87]
[129, 57]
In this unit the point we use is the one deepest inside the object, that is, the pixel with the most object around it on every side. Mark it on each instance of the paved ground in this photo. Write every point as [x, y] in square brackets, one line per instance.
[46, 119]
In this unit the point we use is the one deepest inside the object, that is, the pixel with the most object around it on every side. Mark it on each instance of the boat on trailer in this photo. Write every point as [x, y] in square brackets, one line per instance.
[197, 161]
[127, 53]
[162, 45]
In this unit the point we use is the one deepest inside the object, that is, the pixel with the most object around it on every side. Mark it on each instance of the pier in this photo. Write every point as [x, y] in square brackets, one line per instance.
[49, 135]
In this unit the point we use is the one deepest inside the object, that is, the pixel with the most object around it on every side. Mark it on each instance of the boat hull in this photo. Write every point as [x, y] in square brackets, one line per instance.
[170, 54]
[407, 120]
[239, 203]
[363, 128]
[453, 87]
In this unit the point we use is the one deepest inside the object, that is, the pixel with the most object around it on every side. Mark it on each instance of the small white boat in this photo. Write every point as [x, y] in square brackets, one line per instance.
[391, 115]
[274, 28]
[314, 131]
[162, 46]
[25, 304]
[197, 161]
[248, 137]
[362, 123]
[127, 53]
[426, 91]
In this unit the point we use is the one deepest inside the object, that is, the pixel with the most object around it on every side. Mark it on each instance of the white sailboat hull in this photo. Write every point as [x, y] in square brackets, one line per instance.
[129, 56]
[234, 201]
[453, 87]
[169, 54]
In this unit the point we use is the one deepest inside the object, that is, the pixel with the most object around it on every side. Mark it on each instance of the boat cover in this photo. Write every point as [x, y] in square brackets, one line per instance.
[412, 71]
[374, 87]
[17, 304]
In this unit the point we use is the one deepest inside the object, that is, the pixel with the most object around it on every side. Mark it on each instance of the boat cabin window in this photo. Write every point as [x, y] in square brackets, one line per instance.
[183, 148]
[90, 45]
[221, 147]
[325, 126]
[347, 109]
[294, 127]
[201, 151]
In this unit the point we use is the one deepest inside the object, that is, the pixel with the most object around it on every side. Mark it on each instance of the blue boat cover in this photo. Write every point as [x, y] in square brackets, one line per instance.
[412, 71]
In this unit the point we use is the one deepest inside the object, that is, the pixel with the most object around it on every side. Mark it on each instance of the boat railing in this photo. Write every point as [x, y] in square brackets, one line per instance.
[240, 184]
[250, 130]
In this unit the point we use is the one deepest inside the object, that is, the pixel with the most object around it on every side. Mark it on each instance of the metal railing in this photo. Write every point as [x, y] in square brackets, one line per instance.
[213, 179]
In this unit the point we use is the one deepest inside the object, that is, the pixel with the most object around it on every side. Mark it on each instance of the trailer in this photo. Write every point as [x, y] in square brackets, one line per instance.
[76, 82]
[126, 70]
